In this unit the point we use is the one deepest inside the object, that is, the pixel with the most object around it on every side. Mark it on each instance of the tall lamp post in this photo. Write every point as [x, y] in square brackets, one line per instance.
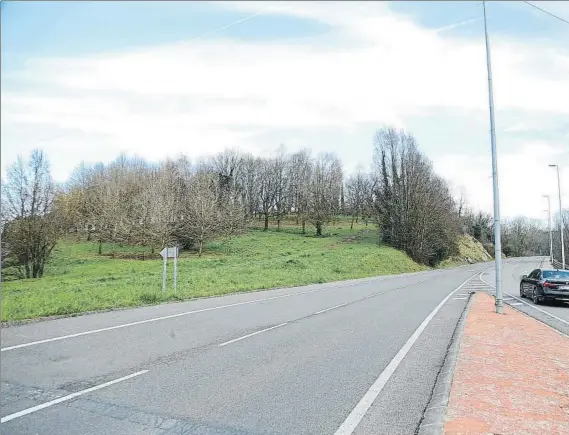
[560, 216]
[549, 226]
[497, 231]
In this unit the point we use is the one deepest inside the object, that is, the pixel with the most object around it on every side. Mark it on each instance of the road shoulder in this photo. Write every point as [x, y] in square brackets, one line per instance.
[511, 375]
[433, 420]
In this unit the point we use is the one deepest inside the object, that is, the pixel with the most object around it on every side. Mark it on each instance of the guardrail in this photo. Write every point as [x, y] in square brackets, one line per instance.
[557, 264]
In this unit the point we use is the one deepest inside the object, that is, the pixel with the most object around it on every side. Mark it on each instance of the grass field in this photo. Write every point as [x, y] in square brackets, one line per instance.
[79, 280]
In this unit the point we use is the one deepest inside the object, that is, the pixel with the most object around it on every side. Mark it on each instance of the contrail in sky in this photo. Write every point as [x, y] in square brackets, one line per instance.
[461, 23]
[227, 26]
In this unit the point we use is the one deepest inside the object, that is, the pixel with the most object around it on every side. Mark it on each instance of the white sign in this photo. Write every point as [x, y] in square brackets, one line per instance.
[169, 252]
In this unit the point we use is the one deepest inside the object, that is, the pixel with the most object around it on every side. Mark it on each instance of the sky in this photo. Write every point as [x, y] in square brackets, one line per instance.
[86, 81]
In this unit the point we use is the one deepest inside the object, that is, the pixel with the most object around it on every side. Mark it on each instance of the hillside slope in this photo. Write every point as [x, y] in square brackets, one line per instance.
[79, 280]
[470, 250]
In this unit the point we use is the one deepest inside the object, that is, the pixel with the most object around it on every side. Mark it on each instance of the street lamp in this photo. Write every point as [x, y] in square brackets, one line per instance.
[560, 216]
[495, 184]
[550, 229]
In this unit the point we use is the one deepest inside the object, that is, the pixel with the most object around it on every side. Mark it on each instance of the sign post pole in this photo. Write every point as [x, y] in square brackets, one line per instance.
[170, 253]
[164, 274]
[175, 268]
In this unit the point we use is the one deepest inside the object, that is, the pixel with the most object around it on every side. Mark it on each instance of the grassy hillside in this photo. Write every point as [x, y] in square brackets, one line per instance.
[79, 280]
[468, 248]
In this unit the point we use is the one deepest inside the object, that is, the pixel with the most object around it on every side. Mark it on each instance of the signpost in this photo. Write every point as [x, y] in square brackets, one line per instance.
[169, 253]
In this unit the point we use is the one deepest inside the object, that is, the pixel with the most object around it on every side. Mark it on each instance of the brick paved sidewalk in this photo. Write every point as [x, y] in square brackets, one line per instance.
[511, 376]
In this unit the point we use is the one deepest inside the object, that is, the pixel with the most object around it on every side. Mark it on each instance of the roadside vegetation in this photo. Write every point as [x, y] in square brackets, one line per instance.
[77, 279]
[243, 223]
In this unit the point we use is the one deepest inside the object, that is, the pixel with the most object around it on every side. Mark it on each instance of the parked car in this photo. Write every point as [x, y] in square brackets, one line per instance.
[545, 285]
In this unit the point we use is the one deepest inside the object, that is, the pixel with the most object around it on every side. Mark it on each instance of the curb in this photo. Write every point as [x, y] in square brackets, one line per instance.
[433, 420]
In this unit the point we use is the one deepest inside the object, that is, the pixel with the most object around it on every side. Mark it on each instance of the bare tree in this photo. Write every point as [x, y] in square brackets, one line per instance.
[267, 188]
[204, 218]
[299, 187]
[324, 191]
[32, 223]
[281, 180]
[357, 189]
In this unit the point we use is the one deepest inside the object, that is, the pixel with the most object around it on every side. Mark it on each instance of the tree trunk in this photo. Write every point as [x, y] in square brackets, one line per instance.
[318, 229]
[278, 224]
[201, 248]
[303, 226]
[352, 224]
[266, 221]
[100, 247]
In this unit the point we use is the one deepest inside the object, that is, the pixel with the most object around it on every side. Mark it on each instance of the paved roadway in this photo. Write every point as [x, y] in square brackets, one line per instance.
[357, 357]
[555, 315]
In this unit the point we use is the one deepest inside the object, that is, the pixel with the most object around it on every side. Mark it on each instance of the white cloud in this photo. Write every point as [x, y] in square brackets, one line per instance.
[201, 96]
[524, 176]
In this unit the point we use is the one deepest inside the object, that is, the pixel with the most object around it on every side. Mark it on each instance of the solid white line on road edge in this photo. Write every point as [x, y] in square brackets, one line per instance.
[250, 335]
[539, 309]
[171, 316]
[331, 308]
[68, 397]
[352, 421]
[534, 307]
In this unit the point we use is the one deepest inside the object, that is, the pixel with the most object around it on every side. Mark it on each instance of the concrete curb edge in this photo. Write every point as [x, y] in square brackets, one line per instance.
[433, 420]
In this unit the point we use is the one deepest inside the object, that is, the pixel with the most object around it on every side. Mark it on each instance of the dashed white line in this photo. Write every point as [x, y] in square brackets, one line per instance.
[354, 418]
[68, 397]
[459, 299]
[252, 334]
[172, 316]
[331, 308]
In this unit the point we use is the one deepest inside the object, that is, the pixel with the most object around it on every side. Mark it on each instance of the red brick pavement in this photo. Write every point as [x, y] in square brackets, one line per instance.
[511, 376]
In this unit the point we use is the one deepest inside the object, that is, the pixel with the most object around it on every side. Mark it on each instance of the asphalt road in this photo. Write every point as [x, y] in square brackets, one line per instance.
[358, 356]
[555, 315]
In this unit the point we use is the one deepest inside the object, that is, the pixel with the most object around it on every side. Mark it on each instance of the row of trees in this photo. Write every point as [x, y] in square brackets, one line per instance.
[131, 201]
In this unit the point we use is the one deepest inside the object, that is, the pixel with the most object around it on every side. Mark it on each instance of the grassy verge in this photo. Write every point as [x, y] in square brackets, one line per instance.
[79, 280]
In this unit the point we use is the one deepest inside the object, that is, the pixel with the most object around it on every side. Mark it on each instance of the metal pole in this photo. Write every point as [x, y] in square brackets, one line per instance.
[175, 269]
[497, 230]
[164, 274]
[560, 217]
[550, 229]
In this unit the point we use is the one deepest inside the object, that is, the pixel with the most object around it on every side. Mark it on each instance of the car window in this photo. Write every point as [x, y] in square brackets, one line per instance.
[556, 274]
[533, 274]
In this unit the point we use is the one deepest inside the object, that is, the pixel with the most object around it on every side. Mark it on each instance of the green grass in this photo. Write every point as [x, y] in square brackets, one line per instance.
[78, 280]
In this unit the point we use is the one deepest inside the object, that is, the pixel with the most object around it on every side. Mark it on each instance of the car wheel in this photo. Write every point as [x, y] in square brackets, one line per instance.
[522, 294]
[535, 298]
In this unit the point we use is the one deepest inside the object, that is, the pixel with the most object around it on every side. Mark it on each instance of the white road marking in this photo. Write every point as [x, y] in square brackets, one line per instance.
[539, 309]
[252, 334]
[534, 307]
[171, 316]
[352, 421]
[515, 303]
[68, 397]
[331, 308]
[459, 299]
